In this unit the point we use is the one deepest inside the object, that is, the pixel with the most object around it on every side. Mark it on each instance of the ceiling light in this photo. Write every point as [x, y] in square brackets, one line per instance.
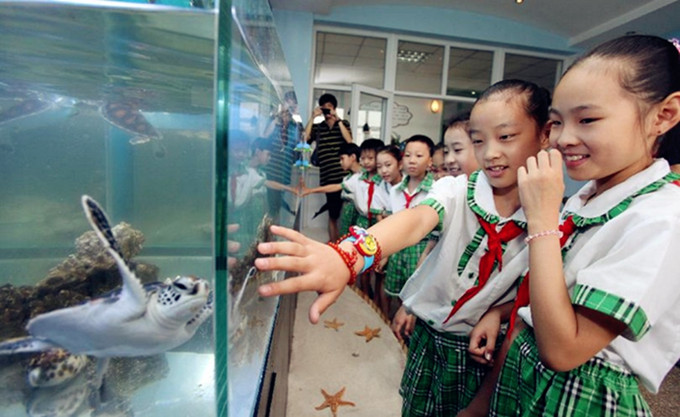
[519, 1]
[412, 56]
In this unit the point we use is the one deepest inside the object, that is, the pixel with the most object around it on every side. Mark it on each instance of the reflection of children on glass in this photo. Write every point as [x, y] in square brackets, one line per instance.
[248, 185]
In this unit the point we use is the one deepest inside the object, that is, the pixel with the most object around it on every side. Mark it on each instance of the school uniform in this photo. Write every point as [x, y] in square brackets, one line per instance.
[348, 214]
[621, 260]
[370, 199]
[402, 264]
[440, 378]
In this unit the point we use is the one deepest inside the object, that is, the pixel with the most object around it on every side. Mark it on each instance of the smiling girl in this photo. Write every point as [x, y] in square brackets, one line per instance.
[603, 286]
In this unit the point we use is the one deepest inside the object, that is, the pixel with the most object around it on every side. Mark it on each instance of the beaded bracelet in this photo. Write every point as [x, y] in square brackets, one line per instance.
[350, 259]
[365, 245]
[529, 238]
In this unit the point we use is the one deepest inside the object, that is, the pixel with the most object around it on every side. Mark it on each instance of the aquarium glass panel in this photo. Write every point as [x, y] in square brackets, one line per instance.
[264, 162]
[114, 100]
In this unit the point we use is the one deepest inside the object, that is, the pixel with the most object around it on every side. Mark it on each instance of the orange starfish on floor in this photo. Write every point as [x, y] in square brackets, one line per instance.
[333, 401]
[368, 333]
[335, 324]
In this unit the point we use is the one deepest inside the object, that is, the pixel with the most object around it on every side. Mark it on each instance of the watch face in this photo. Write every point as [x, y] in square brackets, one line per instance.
[369, 246]
[363, 241]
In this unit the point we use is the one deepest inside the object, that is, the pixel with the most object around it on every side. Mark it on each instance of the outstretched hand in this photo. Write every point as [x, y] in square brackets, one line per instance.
[321, 269]
[541, 188]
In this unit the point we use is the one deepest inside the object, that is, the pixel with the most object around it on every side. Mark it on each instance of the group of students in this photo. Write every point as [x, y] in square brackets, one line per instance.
[587, 289]
[384, 180]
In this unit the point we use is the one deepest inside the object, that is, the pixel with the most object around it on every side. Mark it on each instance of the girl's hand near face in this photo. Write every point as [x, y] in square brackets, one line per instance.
[541, 189]
[321, 269]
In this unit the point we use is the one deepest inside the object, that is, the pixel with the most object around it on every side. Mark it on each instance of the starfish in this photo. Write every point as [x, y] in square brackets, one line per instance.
[333, 401]
[368, 333]
[335, 324]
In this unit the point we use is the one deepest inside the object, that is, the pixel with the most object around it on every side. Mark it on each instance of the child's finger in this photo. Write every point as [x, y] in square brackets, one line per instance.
[287, 286]
[480, 360]
[543, 160]
[555, 158]
[322, 302]
[410, 326]
[531, 164]
[281, 248]
[284, 263]
[288, 234]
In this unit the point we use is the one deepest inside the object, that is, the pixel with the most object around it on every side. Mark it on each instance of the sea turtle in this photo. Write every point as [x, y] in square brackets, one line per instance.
[133, 321]
[54, 367]
[122, 112]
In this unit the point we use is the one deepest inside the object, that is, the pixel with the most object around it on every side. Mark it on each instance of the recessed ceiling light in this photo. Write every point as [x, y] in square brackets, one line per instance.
[519, 1]
[412, 56]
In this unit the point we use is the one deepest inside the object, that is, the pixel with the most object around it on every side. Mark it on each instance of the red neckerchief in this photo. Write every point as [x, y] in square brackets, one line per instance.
[494, 253]
[567, 228]
[409, 198]
[371, 190]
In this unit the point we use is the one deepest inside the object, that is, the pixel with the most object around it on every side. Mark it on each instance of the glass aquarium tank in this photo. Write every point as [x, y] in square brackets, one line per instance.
[177, 118]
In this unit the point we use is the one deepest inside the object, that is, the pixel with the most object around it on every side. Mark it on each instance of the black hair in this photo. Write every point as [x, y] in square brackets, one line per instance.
[438, 147]
[328, 98]
[422, 139]
[262, 144]
[650, 71]
[290, 95]
[462, 119]
[372, 145]
[393, 150]
[350, 149]
[537, 103]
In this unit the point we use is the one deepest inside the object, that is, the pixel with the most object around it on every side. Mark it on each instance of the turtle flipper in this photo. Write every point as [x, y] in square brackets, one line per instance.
[131, 285]
[25, 345]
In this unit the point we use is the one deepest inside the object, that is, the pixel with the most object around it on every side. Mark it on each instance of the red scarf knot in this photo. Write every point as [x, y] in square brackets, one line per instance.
[493, 255]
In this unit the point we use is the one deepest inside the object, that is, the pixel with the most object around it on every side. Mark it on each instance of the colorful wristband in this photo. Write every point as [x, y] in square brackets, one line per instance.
[367, 246]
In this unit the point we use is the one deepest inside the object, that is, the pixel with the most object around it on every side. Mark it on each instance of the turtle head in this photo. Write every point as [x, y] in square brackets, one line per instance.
[183, 297]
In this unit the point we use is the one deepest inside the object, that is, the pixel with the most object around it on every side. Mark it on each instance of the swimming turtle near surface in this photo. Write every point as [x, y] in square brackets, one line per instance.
[135, 320]
[123, 113]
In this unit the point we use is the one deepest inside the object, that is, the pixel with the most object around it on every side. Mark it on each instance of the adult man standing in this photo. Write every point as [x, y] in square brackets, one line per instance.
[329, 135]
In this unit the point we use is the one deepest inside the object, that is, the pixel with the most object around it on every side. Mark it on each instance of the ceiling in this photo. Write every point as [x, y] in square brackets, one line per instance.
[583, 22]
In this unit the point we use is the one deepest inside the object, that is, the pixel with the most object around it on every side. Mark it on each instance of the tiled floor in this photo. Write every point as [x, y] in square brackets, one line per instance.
[667, 402]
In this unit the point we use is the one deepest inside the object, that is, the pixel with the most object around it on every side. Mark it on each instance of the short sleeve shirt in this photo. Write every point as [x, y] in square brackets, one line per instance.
[453, 265]
[628, 268]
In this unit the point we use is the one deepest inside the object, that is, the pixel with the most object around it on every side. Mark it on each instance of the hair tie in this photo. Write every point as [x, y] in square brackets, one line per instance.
[675, 43]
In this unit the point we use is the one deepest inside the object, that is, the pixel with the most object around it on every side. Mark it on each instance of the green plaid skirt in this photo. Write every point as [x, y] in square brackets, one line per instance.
[401, 266]
[362, 221]
[440, 379]
[595, 389]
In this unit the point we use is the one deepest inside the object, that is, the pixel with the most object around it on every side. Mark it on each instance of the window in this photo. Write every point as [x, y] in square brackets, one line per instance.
[346, 59]
[419, 67]
[469, 72]
[542, 71]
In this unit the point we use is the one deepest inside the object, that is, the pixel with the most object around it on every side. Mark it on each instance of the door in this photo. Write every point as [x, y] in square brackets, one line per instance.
[371, 108]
